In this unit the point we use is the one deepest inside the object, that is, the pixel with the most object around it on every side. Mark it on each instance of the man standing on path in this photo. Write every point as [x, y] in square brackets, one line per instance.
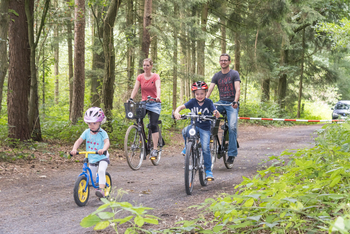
[228, 83]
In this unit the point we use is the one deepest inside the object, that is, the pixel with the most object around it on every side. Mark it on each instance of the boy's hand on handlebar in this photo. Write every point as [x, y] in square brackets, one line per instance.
[216, 113]
[177, 115]
[73, 152]
[101, 151]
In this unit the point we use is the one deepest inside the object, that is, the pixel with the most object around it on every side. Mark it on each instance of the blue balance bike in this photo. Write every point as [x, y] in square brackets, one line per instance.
[81, 187]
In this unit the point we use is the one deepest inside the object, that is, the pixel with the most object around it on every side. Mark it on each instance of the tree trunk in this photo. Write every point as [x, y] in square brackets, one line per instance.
[98, 60]
[154, 40]
[201, 42]
[265, 92]
[140, 12]
[19, 73]
[237, 51]
[237, 33]
[33, 113]
[176, 13]
[109, 54]
[282, 81]
[130, 35]
[43, 82]
[56, 57]
[301, 76]
[146, 39]
[183, 66]
[223, 28]
[255, 50]
[79, 62]
[4, 22]
[193, 53]
[70, 58]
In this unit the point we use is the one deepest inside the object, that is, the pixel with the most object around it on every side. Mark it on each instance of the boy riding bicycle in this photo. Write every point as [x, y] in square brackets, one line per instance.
[206, 107]
[96, 140]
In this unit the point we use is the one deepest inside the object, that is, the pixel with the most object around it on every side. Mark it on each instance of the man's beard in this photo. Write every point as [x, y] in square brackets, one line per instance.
[225, 67]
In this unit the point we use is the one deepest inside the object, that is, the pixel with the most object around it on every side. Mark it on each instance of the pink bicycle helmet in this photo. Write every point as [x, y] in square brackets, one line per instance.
[94, 114]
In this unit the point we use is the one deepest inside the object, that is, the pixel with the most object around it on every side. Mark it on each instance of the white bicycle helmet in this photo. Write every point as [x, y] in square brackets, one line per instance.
[94, 114]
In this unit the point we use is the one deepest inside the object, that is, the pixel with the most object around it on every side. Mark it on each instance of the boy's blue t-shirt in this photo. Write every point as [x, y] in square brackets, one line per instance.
[95, 143]
[206, 109]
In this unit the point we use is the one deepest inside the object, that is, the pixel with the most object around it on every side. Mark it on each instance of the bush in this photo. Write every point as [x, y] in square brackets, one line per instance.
[309, 194]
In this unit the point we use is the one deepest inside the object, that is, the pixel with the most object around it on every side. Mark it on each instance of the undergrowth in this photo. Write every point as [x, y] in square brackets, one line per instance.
[308, 193]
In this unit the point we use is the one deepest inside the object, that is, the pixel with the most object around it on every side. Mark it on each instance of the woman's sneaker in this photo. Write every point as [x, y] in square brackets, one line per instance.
[209, 175]
[154, 154]
[183, 152]
[100, 193]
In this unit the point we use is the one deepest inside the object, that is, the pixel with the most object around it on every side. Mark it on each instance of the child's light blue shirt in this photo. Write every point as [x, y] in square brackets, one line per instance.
[95, 143]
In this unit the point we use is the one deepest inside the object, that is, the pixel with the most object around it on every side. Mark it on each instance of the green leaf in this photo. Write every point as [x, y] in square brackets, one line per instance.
[339, 224]
[101, 225]
[89, 221]
[249, 203]
[335, 181]
[13, 12]
[139, 221]
[152, 221]
[256, 218]
[106, 215]
[290, 199]
[121, 221]
[270, 218]
[217, 228]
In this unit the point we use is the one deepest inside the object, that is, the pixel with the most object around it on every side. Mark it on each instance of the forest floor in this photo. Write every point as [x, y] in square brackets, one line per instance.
[36, 195]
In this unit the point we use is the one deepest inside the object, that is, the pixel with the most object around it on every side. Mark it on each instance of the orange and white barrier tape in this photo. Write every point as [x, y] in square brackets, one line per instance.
[293, 120]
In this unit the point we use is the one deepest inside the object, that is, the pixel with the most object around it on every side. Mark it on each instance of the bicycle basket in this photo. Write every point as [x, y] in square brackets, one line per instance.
[215, 127]
[135, 110]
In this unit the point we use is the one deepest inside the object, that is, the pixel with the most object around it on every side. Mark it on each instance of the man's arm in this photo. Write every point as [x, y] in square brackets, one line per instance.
[238, 93]
[210, 89]
[238, 90]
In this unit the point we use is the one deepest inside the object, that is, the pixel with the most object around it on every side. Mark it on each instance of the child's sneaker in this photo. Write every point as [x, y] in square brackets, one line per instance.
[209, 175]
[183, 152]
[100, 193]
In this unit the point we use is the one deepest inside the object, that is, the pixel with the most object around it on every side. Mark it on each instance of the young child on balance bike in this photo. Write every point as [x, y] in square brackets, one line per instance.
[205, 106]
[96, 140]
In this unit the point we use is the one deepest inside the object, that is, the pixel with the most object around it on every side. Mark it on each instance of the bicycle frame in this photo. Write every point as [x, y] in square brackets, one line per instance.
[141, 128]
[221, 146]
[194, 137]
[87, 170]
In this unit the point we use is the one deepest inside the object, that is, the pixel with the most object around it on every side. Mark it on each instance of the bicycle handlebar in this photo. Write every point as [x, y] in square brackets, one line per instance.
[149, 99]
[202, 117]
[88, 152]
[230, 104]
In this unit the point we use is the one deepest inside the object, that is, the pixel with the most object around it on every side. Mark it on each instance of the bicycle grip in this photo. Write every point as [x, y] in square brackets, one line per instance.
[72, 154]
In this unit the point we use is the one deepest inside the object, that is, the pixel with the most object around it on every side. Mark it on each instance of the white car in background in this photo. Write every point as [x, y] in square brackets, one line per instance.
[341, 110]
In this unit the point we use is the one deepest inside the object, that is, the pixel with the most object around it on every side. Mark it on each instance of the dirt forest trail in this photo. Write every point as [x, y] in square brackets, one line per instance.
[43, 203]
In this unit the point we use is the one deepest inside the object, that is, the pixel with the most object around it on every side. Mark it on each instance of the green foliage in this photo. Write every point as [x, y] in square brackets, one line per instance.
[263, 110]
[115, 214]
[309, 193]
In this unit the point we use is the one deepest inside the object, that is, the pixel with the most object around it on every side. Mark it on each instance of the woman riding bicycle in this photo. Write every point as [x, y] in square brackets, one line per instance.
[206, 107]
[96, 140]
[150, 86]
